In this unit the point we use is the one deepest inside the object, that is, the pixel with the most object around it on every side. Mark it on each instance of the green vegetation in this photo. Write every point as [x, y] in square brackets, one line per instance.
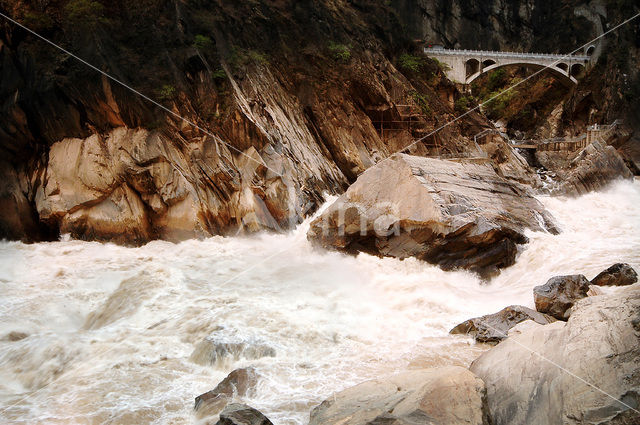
[85, 14]
[166, 93]
[411, 63]
[463, 104]
[496, 107]
[219, 74]
[202, 42]
[340, 52]
[37, 21]
[240, 58]
[422, 100]
[443, 66]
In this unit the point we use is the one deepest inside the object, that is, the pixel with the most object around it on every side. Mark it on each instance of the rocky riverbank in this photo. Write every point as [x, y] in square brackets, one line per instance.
[546, 373]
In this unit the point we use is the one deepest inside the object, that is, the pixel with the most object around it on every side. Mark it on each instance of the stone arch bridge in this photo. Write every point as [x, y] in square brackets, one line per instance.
[467, 65]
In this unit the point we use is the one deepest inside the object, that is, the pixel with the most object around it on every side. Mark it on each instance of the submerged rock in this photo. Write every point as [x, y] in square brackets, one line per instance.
[218, 352]
[239, 383]
[619, 274]
[495, 327]
[454, 214]
[559, 294]
[442, 396]
[540, 376]
[241, 414]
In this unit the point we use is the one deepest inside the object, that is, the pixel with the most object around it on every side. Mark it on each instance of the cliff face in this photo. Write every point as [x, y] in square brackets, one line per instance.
[608, 92]
[288, 98]
[284, 95]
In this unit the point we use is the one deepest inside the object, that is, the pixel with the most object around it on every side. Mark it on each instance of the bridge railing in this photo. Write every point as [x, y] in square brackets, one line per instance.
[466, 52]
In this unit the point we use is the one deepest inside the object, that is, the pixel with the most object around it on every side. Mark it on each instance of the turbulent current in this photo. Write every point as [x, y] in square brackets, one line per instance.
[99, 333]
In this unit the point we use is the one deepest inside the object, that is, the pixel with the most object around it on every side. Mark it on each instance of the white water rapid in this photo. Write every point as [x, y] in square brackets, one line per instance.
[99, 333]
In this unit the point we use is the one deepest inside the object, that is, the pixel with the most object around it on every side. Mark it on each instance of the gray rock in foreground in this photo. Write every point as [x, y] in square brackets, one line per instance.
[599, 344]
[559, 294]
[620, 274]
[442, 396]
[454, 214]
[493, 328]
[241, 414]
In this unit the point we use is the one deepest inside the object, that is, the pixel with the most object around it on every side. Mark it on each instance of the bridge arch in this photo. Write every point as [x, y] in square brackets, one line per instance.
[589, 51]
[555, 69]
[471, 66]
[577, 70]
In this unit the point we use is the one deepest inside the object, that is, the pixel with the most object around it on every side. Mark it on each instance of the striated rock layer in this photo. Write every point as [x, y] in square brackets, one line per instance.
[445, 396]
[584, 371]
[455, 214]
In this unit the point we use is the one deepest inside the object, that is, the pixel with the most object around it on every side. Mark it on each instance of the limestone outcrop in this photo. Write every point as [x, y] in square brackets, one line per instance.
[454, 214]
[444, 396]
[584, 371]
[559, 294]
[493, 328]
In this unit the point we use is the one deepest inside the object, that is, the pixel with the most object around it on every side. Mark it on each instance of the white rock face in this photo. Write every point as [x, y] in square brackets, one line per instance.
[442, 396]
[538, 376]
[455, 214]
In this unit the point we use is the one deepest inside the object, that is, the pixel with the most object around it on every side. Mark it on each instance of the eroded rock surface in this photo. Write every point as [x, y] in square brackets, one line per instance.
[442, 396]
[591, 169]
[619, 274]
[559, 294]
[241, 414]
[455, 214]
[221, 351]
[600, 344]
[493, 328]
[239, 383]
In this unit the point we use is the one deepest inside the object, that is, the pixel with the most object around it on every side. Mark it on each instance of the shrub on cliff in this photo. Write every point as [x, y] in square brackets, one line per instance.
[85, 14]
[340, 52]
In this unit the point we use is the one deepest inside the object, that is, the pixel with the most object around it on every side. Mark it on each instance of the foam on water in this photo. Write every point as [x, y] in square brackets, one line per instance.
[110, 330]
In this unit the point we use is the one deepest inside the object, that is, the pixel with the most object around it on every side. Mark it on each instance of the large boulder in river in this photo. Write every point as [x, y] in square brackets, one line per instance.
[241, 414]
[559, 294]
[620, 274]
[593, 168]
[442, 396]
[584, 371]
[221, 351]
[455, 214]
[493, 328]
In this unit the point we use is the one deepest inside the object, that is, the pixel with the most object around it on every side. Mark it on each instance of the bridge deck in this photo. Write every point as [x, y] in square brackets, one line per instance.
[489, 53]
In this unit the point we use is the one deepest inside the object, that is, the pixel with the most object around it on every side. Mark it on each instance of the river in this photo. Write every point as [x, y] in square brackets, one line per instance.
[99, 333]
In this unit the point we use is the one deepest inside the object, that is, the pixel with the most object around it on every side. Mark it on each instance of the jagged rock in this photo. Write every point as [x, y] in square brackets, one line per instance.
[493, 328]
[455, 214]
[442, 396]
[219, 352]
[537, 377]
[241, 414]
[619, 274]
[592, 169]
[239, 383]
[557, 296]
